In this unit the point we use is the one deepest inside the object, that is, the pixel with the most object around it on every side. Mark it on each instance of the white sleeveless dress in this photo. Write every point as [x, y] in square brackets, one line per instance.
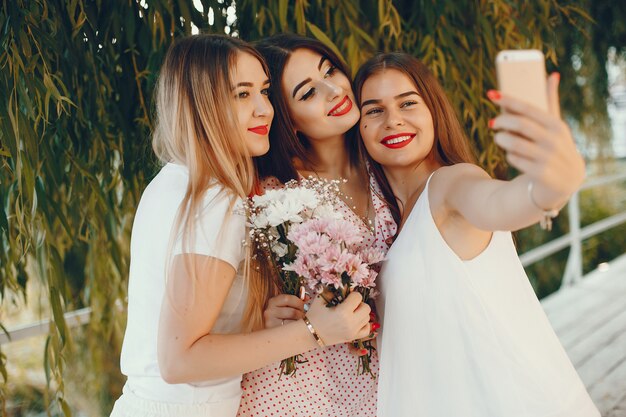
[467, 338]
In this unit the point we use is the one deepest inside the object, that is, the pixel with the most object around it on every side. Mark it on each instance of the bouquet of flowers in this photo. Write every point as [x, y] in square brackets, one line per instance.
[332, 262]
[312, 248]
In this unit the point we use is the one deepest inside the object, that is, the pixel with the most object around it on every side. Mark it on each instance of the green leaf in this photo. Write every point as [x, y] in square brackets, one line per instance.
[367, 38]
[46, 360]
[321, 36]
[44, 198]
[300, 16]
[64, 407]
[57, 313]
[3, 366]
[283, 6]
[4, 329]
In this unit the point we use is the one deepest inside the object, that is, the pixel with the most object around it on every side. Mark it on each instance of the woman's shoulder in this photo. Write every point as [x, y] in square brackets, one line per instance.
[170, 181]
[447, 177]
[461, 169]
[447, 181]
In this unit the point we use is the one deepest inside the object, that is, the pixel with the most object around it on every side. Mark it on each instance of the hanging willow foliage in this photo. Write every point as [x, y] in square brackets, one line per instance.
[76, 84]
[458, 40]
[75, 119]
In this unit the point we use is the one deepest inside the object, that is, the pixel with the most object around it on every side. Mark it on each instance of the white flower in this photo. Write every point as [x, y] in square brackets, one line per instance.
[280, 249]
[327, 211]
[279, 212]
[259, 220]
[304, 196]
[266, 198]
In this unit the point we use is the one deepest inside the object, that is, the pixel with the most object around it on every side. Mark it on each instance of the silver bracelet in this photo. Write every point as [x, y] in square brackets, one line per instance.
[547, 215]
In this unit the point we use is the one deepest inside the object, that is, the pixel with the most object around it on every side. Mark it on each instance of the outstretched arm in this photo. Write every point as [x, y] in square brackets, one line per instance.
[540, 145]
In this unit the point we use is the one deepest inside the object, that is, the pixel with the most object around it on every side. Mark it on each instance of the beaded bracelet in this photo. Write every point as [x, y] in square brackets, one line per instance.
[317, 337]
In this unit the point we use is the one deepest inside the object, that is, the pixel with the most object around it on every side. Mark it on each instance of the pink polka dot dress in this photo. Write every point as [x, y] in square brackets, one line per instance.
[328, 385]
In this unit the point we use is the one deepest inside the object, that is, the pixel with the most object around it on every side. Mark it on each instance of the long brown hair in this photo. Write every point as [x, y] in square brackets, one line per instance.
[197, 126]
[451, 144]
[285, 143]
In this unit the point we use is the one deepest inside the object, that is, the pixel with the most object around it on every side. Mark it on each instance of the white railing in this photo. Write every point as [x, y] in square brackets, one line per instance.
[573, 270]
[574, 267]
[72, 319]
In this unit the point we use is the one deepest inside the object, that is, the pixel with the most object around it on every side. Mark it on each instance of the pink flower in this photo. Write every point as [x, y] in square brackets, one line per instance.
[372, 255]
[309, 237]
[297, 232]
[318, 225]
[331, 279]
[369, 281]
[314, 244]
[315, 285]
[328, 260]
[343, 231]
[357, 269]
[302, 265]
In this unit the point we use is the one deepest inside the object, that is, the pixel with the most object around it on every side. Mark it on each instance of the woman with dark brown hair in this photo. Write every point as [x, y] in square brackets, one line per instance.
[463, 331]
[313, 134]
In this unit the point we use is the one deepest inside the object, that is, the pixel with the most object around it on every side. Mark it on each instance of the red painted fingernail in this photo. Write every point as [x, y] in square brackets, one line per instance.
[375, 326]
[362, 352]
[494, 95]
[491, 122]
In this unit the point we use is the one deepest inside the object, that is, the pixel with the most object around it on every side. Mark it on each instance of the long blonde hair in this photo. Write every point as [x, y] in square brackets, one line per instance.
[197, 126]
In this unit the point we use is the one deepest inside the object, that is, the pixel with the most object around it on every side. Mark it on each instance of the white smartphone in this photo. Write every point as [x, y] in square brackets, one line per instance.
[522, 74]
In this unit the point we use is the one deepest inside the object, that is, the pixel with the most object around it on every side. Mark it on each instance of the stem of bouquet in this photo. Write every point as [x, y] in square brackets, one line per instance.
[289, 366]
[363, 365]
[290, 283]
[335, 296]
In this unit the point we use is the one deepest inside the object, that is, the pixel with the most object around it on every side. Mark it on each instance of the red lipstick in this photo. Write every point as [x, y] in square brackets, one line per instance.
[397, 141]
[343, 107]
[259, 130]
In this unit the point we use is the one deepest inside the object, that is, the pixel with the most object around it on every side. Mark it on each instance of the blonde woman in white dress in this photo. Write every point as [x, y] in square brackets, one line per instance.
[190, 307]
[463, 333]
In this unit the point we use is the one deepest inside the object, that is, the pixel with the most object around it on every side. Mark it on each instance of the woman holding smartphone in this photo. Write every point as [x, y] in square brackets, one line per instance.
[463, 332]
[187, 341]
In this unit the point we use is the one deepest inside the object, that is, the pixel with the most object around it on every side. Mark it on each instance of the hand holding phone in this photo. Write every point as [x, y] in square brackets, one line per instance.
[530, 130]
[522, 74]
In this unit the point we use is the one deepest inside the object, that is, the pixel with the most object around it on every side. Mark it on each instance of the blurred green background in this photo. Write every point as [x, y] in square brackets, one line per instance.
[76, 83]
